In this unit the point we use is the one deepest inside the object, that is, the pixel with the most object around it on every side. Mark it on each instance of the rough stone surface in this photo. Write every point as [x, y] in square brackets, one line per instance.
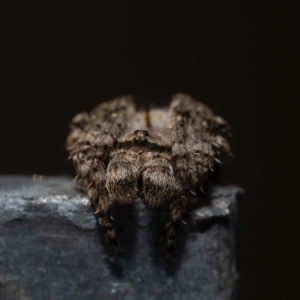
[52, 248]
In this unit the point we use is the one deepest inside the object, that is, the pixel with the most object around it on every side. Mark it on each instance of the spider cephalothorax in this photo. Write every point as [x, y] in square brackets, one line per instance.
[159, 155]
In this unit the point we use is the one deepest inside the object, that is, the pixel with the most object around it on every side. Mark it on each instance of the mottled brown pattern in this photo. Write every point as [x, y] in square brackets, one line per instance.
[161, 155]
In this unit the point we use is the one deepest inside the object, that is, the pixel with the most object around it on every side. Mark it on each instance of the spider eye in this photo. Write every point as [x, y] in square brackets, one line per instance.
[141, 133]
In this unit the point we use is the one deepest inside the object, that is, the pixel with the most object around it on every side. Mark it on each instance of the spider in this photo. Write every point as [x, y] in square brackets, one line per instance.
[161, 155]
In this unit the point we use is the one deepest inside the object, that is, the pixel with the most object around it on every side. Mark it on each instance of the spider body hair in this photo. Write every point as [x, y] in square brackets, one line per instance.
[160, 155]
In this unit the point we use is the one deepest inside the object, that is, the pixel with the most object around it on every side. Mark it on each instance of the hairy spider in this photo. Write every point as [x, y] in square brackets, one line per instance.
[160, 155]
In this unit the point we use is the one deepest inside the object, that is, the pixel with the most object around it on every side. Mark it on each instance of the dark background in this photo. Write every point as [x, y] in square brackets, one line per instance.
[237, 56]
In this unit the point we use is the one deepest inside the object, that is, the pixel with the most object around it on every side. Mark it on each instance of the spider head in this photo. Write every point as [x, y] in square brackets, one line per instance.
[140, 136]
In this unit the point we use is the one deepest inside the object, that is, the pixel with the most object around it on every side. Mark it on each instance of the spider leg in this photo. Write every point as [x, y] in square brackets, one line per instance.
[90, 142]
[106, 221]
[157, 176]
[77, 126]
[91, 169]
[122, 175]
[184, 165]
[204, 156]
[221, 144]
[159, 183]
[200, 129]
[100, 203]
[98, 194]
[172, 224]
[182, 108]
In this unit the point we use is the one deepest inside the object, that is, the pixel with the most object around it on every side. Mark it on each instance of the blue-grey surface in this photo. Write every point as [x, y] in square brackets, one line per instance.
[51, 246]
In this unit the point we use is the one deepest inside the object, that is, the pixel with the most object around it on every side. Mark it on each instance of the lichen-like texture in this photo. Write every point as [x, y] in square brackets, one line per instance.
[162, 156]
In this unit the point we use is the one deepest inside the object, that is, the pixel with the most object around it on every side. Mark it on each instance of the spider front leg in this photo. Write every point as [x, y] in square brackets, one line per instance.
[101, 206]
[98, 194]
[92, 170]
[122, 175]
[157, 177]
[177, 209]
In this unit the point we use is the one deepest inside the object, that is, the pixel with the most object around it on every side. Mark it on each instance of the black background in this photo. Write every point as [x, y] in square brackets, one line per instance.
[64, 57]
